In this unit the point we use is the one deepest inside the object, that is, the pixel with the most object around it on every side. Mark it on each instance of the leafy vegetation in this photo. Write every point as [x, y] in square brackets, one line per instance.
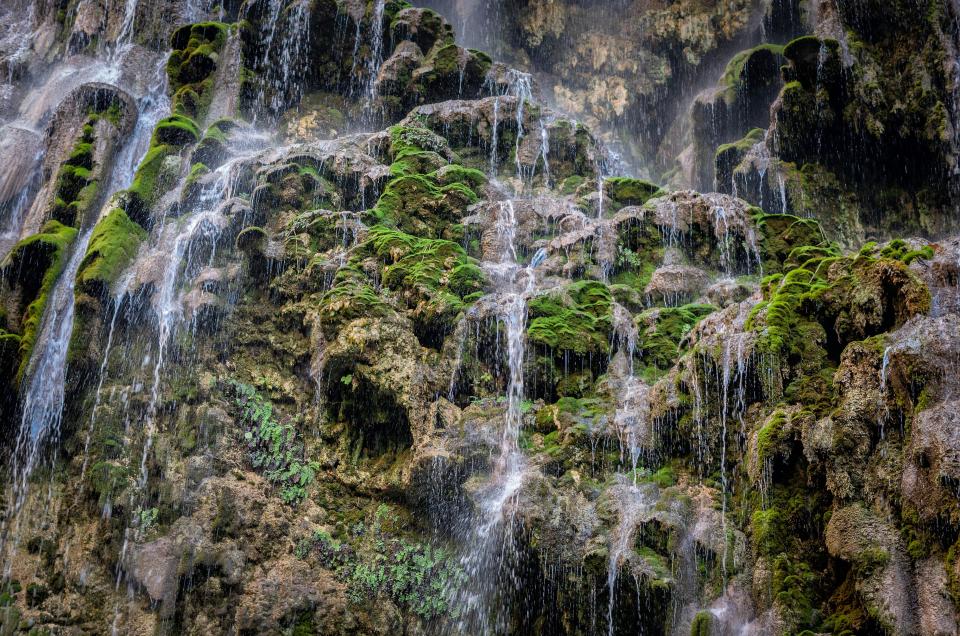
[374, 562]
[273, 447]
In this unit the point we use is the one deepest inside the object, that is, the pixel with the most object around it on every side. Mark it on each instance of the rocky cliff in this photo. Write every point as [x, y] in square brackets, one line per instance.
[313, 320]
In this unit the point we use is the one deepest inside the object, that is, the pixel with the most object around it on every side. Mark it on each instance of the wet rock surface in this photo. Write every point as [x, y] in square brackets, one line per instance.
[313, 320]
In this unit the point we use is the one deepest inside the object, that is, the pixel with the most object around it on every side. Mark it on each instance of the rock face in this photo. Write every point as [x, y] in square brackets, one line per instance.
[337, 326]
[780, 103]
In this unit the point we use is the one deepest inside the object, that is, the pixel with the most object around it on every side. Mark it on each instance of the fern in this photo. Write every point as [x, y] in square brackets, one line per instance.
[272, 446]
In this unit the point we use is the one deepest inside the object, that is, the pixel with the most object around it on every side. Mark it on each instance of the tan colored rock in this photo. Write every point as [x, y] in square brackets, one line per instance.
[884, 579]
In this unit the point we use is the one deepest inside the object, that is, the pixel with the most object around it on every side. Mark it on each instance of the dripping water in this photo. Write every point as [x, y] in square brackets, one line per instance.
[490, 544]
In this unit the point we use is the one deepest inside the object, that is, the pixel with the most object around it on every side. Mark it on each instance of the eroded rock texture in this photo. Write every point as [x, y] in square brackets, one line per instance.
[315, 320]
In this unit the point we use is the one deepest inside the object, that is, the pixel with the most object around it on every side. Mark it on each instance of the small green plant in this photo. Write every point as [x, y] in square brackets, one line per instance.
[145, 518]
[273, 446]
[415, 575]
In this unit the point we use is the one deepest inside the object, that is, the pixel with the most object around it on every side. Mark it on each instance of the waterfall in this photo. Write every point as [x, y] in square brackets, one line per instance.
[13, 210]
[375, 59]
[44, 386]
[494, 141]
[519, 86]
[635, 503]
[117, 302]
[179, 243]
[490, 541]
[43, 392]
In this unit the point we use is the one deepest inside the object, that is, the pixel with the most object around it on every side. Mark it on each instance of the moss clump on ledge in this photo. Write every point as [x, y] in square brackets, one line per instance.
[176, 130]
[351, 297]
[814, 61]
[852, 297]
[435, 277]
[113, 245]
[786, 240]
[662, 330]
[147, 182]
[76, 188]
[626, 191]
[729, 156]
[196, 52]
[575, 318]
[451, 71]
[736, 76]
[211, 151]
[427, 194]
[34, 264]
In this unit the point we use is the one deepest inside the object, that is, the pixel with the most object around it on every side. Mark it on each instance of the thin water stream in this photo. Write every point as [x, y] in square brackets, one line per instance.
[490, 549]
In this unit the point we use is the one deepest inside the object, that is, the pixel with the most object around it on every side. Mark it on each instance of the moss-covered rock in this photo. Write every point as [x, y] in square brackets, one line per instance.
[176, 130]
[851, 297]
[113, 245]
[434, 277]
[661, 332]
[575, 318]
[196, 52]
[426, 194]
[32, 268]
[624, 191]
[449, 72]
[76, 186]
[150, 181]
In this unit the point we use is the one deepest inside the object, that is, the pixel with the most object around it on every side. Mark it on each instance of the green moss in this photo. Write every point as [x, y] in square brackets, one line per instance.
[729, 156]
[76, 189]
[196, 49]
[106, 479]
[733, 76]
[625, 191]
[702, 624]
[794, 584]
[665, 477]
[742, 145]
[900, 250]
[815, 61]
[455, 173]
[446, 60]
[45, 255]
[574, 318]
[9, 359]
[661, 332]
[147, 181]
[212, 147]
[784, 238]
[435, 276]
[571, 183]
[176, 130]
[769, 532]
[953, 572]
[417, 204]
[774, 437]
[412, 140]
[197, 171]
[113, 245]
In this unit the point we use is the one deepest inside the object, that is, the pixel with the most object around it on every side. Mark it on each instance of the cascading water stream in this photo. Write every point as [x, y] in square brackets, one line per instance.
[44, 387]
[117, 301]
[178, 240]
[519, 86]
[635, 503]
[490, 540]
[13, 211]
[375, 59]
[125, 36]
